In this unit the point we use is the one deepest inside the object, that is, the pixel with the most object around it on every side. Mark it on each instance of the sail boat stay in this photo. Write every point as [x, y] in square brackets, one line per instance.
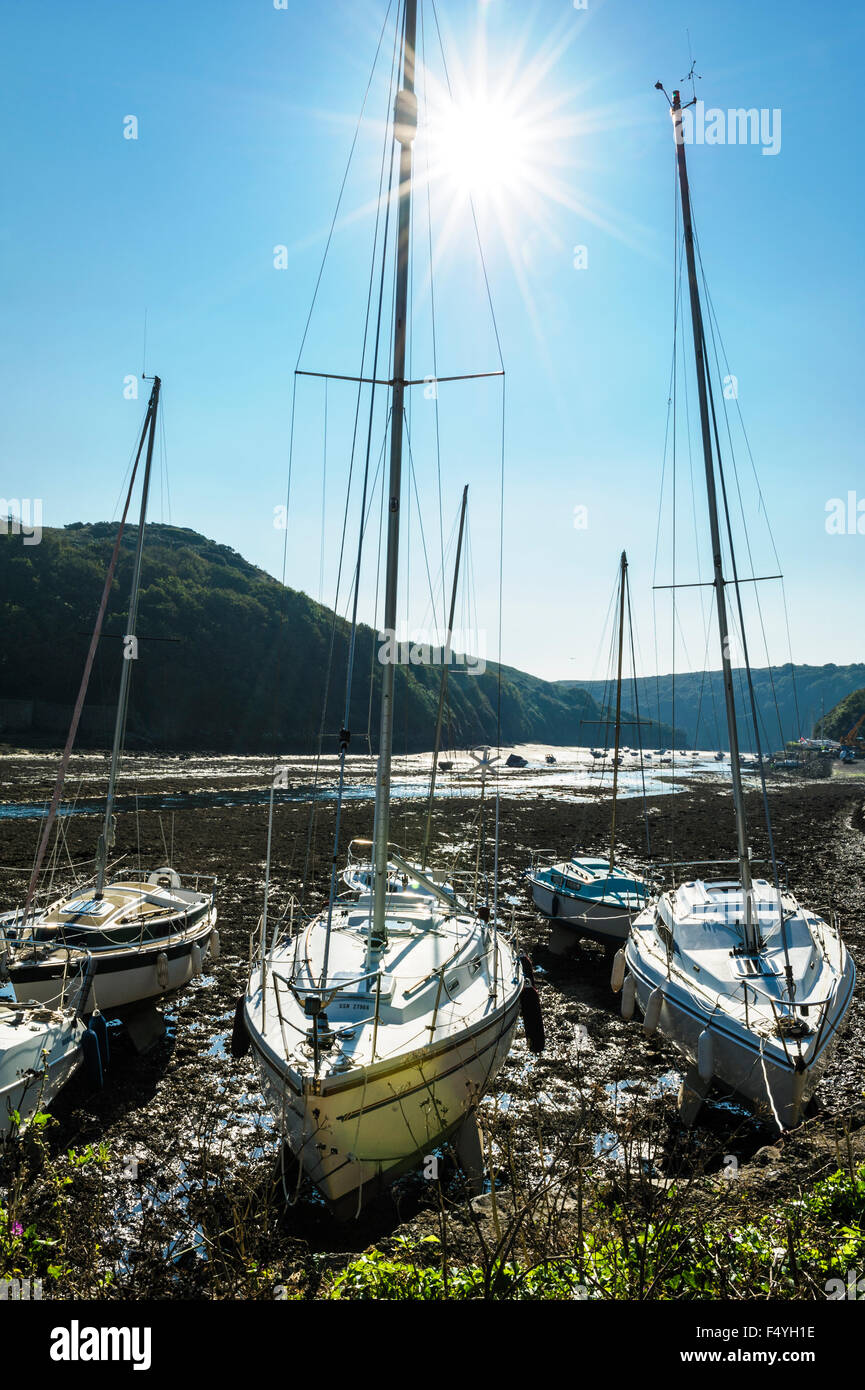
[358, 872]
[589, 896]
[751, 986]
[145, 937]
[381, 1023]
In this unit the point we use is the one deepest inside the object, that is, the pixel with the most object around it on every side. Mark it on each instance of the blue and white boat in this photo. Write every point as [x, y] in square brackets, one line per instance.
[589, 896]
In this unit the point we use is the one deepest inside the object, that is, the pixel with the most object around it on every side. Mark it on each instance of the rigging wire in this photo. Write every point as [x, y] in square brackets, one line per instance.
[323, 503]
[384, 257]
[669, 462]
[637, 714]
[473, 210]
[164, 455]
[791, 989]
[433, 316]
[715, 337]
[705, 599]
[413, 480]
[375, 613]
[343, 184]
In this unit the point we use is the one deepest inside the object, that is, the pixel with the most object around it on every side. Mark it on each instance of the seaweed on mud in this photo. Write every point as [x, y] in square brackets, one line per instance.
[166, 1183]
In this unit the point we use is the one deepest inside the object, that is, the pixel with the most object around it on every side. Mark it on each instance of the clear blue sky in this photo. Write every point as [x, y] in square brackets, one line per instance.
[246, 114]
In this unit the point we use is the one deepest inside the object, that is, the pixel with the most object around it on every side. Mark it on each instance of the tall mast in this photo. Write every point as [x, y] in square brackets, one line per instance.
[404, 128]
[622, 581]
[444, 680]
[106, 839]
[708, 458]
[85, 678]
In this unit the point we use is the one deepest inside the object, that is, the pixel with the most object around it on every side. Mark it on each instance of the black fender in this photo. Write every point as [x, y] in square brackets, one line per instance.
[240, 1042]
[92, 1058]
[100, 1028]
[533, 1022]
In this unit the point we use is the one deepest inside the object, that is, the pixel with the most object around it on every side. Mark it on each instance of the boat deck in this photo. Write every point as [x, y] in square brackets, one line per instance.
[433, 980]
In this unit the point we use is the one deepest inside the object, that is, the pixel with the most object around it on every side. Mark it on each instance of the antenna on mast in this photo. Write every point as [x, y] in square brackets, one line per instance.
[691, 73]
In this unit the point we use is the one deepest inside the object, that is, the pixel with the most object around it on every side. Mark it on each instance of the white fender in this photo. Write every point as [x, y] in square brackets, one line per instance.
[617, 979]
[706, 1055]
[213, 943]
[162, 970]
[159, 876]
[629, 997]
[652, 1015]
[195, 961]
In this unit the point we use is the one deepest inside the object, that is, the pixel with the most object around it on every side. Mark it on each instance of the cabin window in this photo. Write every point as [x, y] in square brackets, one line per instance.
[86, 907]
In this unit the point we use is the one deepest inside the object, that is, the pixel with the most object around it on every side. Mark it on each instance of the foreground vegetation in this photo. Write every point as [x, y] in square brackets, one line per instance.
[580, 1235]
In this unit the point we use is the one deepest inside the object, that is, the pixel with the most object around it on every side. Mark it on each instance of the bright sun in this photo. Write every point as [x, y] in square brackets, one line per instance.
[483, 146]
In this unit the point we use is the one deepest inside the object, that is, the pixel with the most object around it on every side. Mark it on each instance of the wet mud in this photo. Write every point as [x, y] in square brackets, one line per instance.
[186, 1124]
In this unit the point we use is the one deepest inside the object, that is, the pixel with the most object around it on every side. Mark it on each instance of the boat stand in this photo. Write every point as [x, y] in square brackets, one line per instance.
[145, 1027]
[562, 940]
[470, 1154]
[692, 1093]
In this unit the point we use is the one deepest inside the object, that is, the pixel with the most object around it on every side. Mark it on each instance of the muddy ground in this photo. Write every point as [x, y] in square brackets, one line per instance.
[187, 1119]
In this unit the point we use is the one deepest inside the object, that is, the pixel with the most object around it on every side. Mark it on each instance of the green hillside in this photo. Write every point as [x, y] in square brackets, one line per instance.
[228, 658]
[840, 720]
[790, 700]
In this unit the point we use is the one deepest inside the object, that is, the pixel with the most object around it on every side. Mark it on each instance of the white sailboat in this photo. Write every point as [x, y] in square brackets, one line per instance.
[380, 1025]
[146, 936]
[751, 986]
[41, 1048]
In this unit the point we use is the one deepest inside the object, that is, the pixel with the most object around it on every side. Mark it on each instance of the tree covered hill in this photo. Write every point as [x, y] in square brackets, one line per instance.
[790, 700]
[230, 659]
[841, 720]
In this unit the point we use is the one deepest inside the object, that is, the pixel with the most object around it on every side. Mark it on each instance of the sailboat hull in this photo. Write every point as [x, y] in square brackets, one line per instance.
[355, 1137]
[138, 968]
[118, 980]
[34, 1067]
[758, 1070]
[598, 921]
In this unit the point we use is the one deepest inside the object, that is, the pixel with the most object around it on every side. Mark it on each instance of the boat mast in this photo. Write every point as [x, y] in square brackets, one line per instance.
[106, 839]
[622, 582]
[444, 681]
[751, 943]
[85, 679]
[404, 129]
